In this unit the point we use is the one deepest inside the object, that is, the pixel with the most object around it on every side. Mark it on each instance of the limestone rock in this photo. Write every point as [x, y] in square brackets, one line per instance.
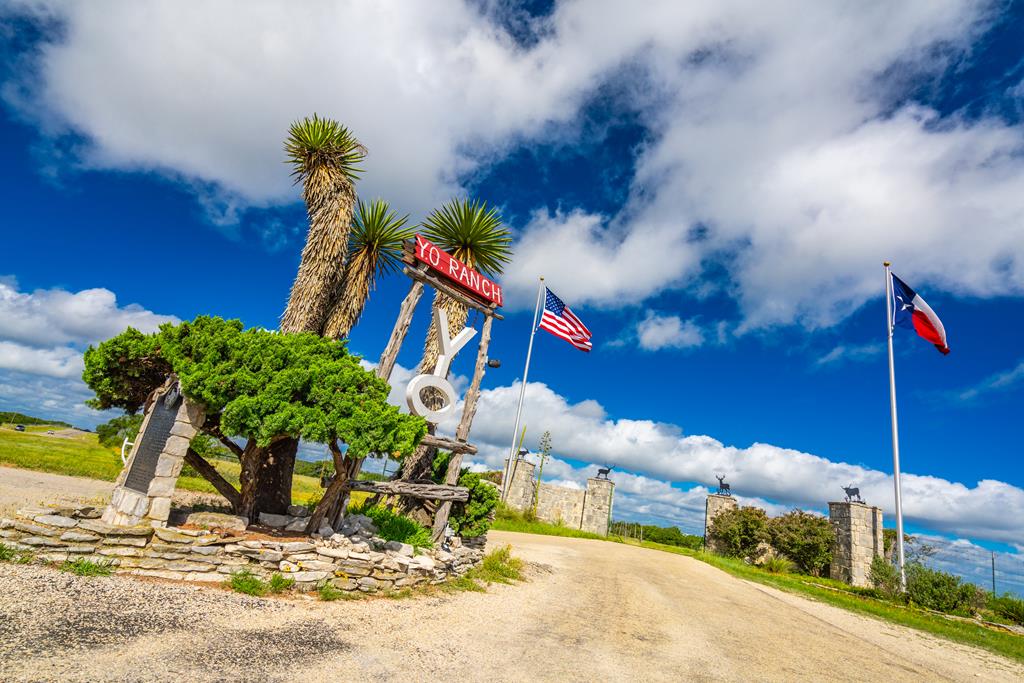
[173, 536]
[274, 521]
[336, 553]
[78, 537]
[41, 541]
[111, 530]
[400, 548]
[217, 520]
[305, 576]
[36, 529]
[136, 541]
[56, 520]
[297, 547]
[298, 511]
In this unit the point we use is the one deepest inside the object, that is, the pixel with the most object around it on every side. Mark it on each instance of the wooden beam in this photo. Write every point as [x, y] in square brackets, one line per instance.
[448, 444]
[210, 473]
[450, 290]
[409, 489]
[462, 432]
[390, 355]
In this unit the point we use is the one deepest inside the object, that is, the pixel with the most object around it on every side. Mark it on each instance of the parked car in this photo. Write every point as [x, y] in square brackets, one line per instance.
[19, 428]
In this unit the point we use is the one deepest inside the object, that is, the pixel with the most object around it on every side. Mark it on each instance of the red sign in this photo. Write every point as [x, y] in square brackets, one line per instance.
[457, 271]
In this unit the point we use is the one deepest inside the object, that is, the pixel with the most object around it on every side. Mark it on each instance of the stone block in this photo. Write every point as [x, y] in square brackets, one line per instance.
[160, 509]
[217, 520]
[304, 576]
[134, 541]
[41, 541]
[274, 521]
[168, 466]
[183, 429]
[36, 529]
[78, 537]
[162, 486]
[56, 520]
[334, 553]
[176, 446]
[174, 536]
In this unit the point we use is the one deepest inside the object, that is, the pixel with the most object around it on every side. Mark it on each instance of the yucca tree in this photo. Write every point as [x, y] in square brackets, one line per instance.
[325, 158]
[474, 234]
[374, 250]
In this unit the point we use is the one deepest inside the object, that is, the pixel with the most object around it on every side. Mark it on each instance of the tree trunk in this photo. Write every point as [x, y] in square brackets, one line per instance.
[274, 477]
[249, 460]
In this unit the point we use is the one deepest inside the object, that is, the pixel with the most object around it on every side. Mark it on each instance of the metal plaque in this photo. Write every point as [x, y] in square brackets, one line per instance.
[151, 442]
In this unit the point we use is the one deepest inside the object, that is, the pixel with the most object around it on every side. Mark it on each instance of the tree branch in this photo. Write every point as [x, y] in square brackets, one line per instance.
[210, 473]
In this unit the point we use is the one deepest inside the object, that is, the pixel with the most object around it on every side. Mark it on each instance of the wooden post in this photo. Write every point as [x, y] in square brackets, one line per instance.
[462, 431]
[390, 355]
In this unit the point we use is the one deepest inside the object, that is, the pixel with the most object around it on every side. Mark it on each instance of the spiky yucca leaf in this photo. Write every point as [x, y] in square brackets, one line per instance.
[474, 234]
[325, 157]
[374, 250]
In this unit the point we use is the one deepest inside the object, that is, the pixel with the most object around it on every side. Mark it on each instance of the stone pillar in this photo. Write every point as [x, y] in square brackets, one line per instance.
[715, 504]
[142, 493]
[858, 530]
[521, 486]
[597, 507]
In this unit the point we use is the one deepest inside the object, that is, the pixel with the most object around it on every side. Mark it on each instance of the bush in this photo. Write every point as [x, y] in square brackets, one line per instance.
[9, 554]
[84, 567]
[472, 518]
[804, 538]
[671, 536]
[942, 592]
[885, 577]
[738, 532]
[1008, 607]
[778, 565]
[280, 584]
[392, 526]
[113, 433]
[244, 581]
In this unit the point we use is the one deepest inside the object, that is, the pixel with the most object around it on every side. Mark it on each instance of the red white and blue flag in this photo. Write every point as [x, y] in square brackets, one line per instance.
[561, 322]
[912, 312]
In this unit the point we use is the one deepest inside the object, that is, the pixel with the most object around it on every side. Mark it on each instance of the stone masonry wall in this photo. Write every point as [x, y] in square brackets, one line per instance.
[561, 505]
[858, 540]
[715, 504]
[354, 559]
[520, 490]
[129, 507]
[588, 509]
[598, 508]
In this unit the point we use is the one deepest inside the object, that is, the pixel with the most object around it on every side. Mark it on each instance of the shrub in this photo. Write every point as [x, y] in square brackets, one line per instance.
[279, 584]
[472, 518]
[885, 578]
[1008, 607]
[738, 532]
[9, 554]
[392, 526]
[940, 591]
[244, 581]
[328, 592]
[84, 567]
[804, 538]
[778, 565]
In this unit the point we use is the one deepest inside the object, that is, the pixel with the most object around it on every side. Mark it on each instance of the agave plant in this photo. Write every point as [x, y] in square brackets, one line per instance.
[475, 235]
[374, 250]
[325, 158]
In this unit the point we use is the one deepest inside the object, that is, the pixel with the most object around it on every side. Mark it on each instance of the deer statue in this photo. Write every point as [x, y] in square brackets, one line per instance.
[723, 487]
[851, 493]
[603, 472]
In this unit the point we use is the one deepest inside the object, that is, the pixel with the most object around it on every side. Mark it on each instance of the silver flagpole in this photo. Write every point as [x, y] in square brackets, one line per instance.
[522, 394]
[895, 428]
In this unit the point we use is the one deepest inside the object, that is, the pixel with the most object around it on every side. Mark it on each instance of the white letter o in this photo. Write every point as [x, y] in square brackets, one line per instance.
[415, 401]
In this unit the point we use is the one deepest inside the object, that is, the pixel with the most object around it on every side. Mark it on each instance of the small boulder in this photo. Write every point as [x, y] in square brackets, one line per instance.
[274, 521]
[217, 520]
[298, 511]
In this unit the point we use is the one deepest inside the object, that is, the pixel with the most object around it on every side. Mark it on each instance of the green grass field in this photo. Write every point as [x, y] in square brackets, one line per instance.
[82, 456]
[825, 590]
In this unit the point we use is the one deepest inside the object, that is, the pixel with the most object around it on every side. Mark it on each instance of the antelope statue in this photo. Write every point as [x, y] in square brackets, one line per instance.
[723, 487]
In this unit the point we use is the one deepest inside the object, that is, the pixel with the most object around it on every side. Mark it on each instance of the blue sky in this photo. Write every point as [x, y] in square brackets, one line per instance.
[712, 190]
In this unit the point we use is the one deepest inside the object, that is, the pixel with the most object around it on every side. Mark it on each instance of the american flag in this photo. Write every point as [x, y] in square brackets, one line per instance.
[560, 321]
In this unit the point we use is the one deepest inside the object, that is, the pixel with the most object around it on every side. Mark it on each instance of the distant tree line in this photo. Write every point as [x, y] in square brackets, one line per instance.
[22, 419]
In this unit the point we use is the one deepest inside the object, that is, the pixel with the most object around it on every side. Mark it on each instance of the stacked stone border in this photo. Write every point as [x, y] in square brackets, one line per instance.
[352, 561]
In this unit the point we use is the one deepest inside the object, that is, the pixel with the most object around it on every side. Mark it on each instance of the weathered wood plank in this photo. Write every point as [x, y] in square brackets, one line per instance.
[457, 293]
[409, 489]
[448, 444]
[390, 355]
[210, 473]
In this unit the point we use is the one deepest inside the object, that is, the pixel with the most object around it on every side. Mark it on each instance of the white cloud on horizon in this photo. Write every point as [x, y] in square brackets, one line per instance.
[42, 337]
[773, 131]
[656, 332]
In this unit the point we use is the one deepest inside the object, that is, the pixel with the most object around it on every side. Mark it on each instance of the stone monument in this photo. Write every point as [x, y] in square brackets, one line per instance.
[858, 540]
[587, 509]
[142, 493]
[716, 503]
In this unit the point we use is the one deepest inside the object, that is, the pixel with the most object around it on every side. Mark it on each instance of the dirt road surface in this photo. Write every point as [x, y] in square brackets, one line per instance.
[589, 611]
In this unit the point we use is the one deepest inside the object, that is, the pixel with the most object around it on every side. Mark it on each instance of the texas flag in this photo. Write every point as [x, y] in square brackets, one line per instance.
[911, 311]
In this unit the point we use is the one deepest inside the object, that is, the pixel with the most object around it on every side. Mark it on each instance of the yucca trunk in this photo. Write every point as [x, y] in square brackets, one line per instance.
[457, 315]
[329, 201]
[353, 294]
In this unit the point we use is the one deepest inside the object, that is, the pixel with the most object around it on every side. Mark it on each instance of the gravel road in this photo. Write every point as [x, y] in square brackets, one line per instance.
[589, 611]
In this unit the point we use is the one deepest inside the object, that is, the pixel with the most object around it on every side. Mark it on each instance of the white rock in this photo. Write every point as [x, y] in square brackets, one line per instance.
[337, 553]
[56, 520]
[310, 576]
[298, 511]
[274, 521]
[287, 566]
[299, 524]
